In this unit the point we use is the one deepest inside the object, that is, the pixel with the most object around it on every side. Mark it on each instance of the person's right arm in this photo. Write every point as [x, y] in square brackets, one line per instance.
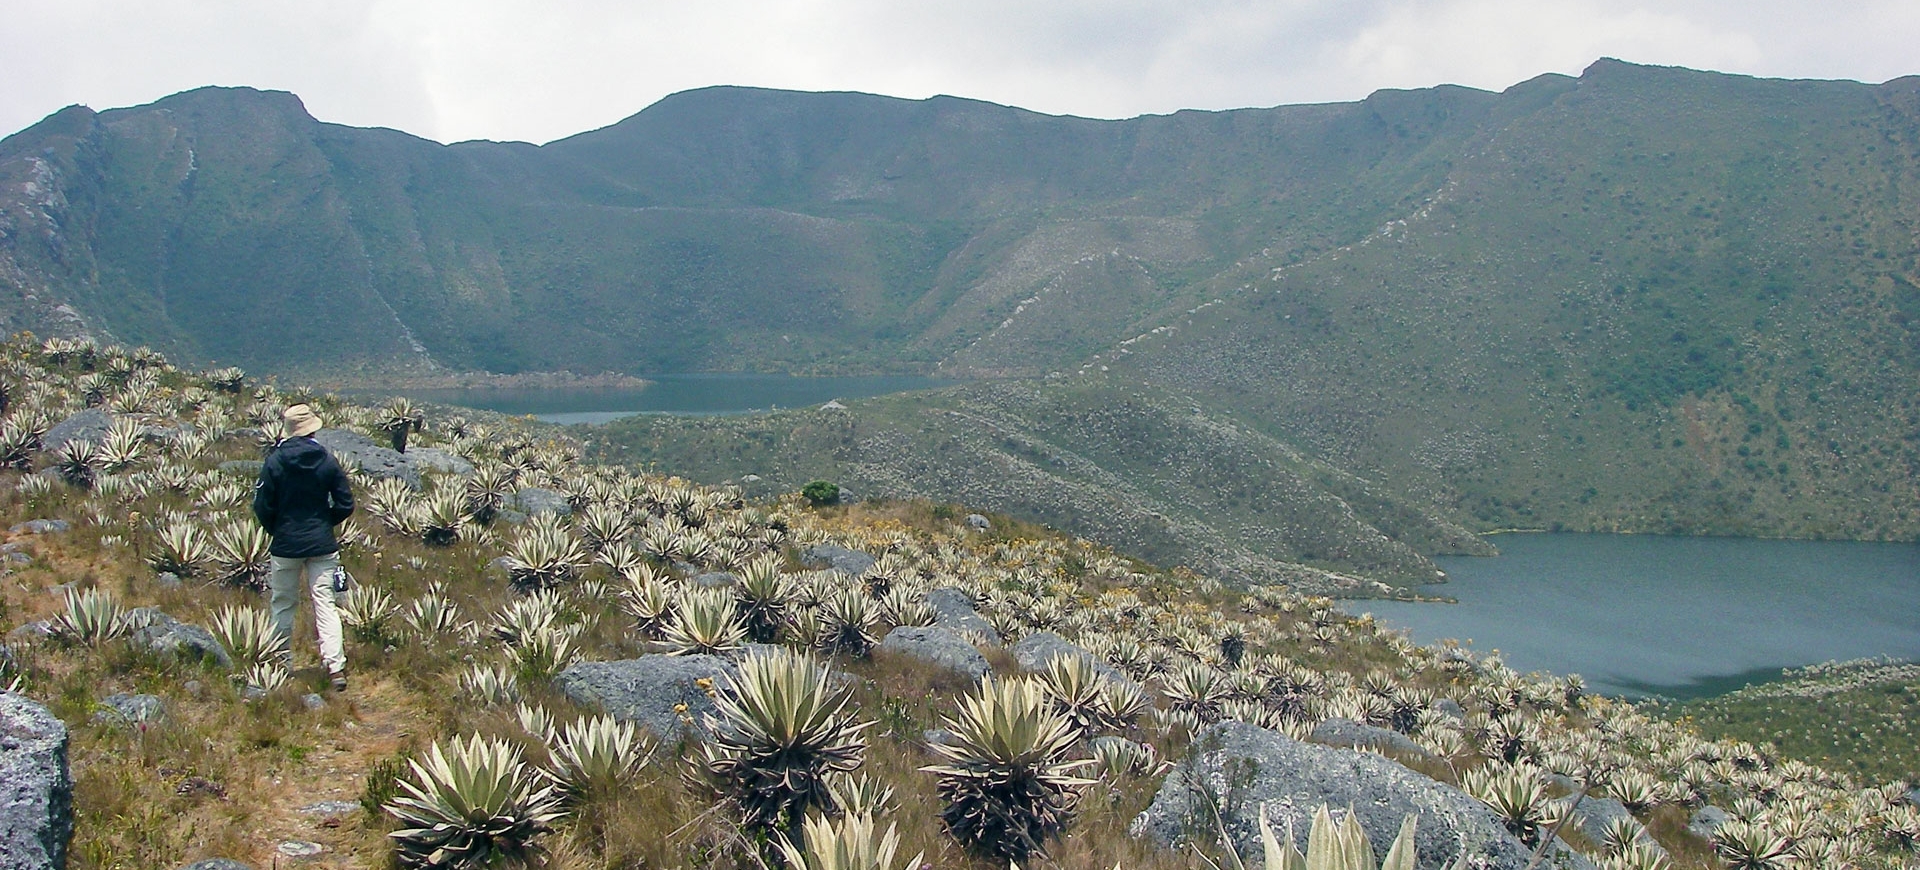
[340, 496]
[266, 496]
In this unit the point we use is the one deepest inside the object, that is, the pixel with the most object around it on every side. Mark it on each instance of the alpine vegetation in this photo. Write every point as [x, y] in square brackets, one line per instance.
[564, 664]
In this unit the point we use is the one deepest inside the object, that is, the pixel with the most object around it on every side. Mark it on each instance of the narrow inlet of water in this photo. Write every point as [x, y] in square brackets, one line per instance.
[1682, 617]
[694, 394]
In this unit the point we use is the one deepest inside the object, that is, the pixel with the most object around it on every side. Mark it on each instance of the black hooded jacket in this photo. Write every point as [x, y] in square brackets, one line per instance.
[302, 495]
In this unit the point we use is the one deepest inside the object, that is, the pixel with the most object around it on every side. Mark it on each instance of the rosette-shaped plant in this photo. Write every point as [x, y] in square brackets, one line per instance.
[763, 597]
[704, 622]
[849, 844]
[782, 734]
[471, 804]
[1007, 781]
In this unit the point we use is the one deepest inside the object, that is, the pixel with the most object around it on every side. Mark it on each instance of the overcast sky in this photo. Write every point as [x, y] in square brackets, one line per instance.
[520, 69]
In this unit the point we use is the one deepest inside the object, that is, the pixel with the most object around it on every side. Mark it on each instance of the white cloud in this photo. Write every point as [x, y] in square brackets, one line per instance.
[515, 69]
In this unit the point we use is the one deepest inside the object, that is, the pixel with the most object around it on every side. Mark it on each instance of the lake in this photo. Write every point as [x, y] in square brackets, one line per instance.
[725, 393]
[1640, 614]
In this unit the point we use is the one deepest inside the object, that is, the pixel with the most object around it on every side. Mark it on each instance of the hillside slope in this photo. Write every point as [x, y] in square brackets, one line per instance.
[1643, 299]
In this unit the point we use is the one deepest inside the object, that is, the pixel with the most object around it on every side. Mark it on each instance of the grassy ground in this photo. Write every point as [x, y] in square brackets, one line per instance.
[225, 774]
[1862, 718]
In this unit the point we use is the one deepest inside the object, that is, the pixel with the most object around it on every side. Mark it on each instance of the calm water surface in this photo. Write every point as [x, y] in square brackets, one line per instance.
[678, 394]
[1677, 616]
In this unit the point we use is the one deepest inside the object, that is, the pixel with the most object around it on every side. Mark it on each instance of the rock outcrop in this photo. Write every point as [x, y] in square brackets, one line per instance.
[1034, 651]
[36, 787]
[159, 633]
[1244, 767]
[1348, 734]
[88, 425]
[661, 693]
[539, 500]
[939, 646]
[953, 609]
[355, 450]
[852, 563]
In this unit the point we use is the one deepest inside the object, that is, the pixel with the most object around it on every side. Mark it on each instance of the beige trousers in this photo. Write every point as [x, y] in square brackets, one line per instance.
[284, 581]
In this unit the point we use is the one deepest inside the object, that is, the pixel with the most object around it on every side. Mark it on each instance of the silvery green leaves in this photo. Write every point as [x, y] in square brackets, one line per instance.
[92, 617]
[781, 736]
[1006, 778]
[471, 803]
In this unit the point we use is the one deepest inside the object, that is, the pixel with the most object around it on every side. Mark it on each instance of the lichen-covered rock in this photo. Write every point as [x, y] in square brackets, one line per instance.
[852, 563]
[162, 634]
[1706, 821]
[953, 609]
[36, 787]
[1244, 767]
[1034, 651]
[88, 425]
[658, 692]
[355, 450]
[246, 469]
[940, 646]
[539, 500]
[717, 580]
[39, 527]
[1596, 813]
[439, 461]
[126, 709]
[1348, 734]
[217, 864]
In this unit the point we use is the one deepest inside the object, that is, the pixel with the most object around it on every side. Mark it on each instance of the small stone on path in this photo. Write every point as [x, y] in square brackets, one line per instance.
[298, 849]
[331, 808]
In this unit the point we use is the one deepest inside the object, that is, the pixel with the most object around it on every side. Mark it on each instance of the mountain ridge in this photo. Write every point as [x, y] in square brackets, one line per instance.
[1641, 299]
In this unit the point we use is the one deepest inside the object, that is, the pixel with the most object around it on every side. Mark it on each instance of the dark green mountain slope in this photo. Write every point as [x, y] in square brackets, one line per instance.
[1634, 309]
[1648, 300]
[727, 228]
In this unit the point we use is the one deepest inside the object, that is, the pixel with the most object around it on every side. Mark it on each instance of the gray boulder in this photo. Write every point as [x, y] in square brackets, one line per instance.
[539, 500]
[217, 864]
[1034, 651]
[89, 425]
[36, 787]
[1246, 767]
[125, 709]
[646, 690]
[953, 609]
[850, 562]
[1348, 734]
[164, 635]
[28, 632]
[355, 450]
[1706, 821]
[978, 523]
[716, 580]
[940, 646]
[1596, 813]
[246, 469]
[439, 461]
[39, 527]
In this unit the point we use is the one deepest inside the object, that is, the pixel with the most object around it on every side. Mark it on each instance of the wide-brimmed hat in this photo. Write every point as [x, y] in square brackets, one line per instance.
[301, 420]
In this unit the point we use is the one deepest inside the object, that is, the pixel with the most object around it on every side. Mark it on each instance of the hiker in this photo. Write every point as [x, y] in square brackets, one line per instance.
[301, 496]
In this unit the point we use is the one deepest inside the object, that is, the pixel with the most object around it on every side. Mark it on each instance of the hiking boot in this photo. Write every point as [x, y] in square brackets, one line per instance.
[339, 681]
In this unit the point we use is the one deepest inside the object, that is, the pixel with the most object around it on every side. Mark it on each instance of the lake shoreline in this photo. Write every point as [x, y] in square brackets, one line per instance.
[1679, 616]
